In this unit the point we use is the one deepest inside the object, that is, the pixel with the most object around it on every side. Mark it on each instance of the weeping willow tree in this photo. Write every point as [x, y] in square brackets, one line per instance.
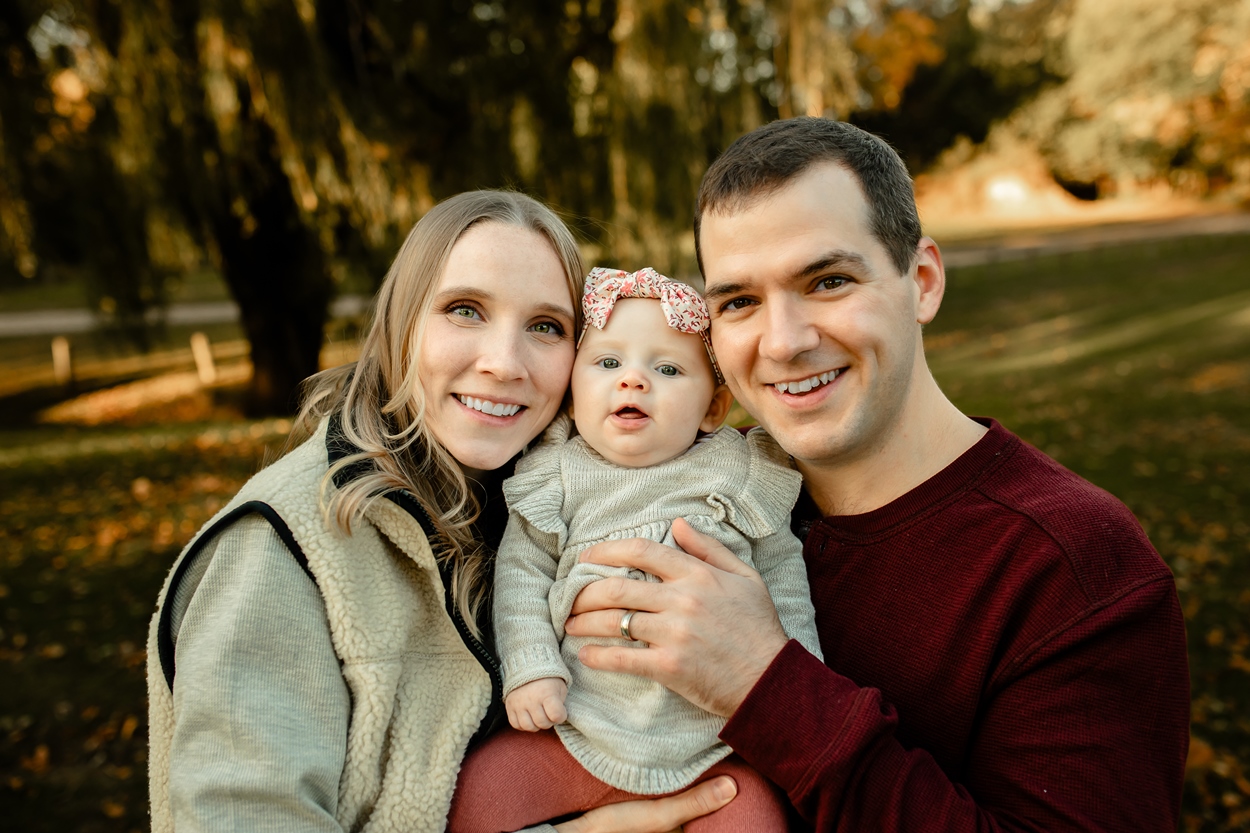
[285, 142]
[291, 144]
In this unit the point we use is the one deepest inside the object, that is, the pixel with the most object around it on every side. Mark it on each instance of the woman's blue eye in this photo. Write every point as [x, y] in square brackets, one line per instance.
[668, 370]
[609, 364]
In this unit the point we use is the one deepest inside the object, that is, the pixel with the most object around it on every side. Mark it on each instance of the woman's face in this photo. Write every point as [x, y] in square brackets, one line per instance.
[498, 346]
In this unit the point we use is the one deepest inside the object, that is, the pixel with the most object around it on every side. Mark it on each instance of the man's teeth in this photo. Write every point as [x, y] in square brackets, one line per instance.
[807, 384]
[488, 407]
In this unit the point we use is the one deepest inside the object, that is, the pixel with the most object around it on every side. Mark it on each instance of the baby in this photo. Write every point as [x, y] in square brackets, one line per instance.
[647, 403]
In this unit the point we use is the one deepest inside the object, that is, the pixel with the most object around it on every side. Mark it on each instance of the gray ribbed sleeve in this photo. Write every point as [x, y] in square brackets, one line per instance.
[627, 731]
[260, 704]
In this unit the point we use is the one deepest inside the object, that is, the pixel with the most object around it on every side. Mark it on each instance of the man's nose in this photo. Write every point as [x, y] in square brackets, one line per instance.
[788, 332]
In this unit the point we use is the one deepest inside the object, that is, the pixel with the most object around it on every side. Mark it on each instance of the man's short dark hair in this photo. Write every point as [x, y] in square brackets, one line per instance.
[769, 157]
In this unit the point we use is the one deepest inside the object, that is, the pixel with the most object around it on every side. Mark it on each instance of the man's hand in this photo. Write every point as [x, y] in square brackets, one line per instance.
[710, 627]
[656, 815]
[537, 705]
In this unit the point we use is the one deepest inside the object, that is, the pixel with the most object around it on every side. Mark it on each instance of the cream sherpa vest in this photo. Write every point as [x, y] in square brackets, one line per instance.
[417, 692]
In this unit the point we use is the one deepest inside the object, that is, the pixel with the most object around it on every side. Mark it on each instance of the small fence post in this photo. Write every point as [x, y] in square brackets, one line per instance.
[62, 362]
[202, 351]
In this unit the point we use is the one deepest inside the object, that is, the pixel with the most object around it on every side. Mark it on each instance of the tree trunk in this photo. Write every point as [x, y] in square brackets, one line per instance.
[276, 271]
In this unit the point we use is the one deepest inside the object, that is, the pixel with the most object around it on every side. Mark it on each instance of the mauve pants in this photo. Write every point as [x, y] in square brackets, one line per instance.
[518, 779]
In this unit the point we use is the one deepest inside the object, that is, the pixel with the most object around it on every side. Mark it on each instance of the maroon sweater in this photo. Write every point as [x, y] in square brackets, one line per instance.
[1005, 651]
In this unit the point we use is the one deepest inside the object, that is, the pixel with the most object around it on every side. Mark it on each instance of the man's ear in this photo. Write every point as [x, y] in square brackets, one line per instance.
[722, 401]
[930, 277]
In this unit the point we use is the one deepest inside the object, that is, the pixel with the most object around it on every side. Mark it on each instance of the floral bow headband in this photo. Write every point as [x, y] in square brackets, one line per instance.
[684, 309]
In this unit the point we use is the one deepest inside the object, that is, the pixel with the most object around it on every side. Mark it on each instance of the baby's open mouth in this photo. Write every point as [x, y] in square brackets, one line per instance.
[629, 412]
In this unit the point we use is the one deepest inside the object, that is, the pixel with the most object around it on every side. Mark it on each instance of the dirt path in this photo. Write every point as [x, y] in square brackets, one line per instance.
[1018, 245]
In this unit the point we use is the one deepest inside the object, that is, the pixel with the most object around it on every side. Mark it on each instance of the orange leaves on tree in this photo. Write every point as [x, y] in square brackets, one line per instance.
[891, 52]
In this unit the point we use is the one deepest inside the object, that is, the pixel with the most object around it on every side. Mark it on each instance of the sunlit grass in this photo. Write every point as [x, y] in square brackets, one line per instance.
[1131, 366]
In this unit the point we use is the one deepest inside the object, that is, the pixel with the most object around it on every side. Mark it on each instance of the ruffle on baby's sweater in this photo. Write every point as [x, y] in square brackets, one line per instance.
[745, 482]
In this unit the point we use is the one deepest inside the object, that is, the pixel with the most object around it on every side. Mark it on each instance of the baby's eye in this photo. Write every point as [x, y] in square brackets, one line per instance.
[609, 364]
[668, 370]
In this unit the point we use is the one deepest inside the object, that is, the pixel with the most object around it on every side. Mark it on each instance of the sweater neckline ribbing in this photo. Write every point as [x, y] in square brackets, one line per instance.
[996, 444]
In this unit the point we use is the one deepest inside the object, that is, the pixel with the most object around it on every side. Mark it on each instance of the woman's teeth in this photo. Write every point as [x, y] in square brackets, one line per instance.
[488, 407]
[807, 384]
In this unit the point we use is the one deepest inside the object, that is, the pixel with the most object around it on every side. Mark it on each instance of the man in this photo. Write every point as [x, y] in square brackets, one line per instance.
[1004, 649]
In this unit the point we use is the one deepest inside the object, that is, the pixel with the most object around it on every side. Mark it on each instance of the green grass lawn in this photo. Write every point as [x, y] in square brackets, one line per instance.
[1129, 365]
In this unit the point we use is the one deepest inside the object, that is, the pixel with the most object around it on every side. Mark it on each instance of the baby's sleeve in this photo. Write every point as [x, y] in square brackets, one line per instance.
[778, 555]
[526, 565]
[524, 572]
[779, 559]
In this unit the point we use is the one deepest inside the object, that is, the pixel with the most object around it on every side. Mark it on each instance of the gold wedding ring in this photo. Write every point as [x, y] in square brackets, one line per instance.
[625, 620]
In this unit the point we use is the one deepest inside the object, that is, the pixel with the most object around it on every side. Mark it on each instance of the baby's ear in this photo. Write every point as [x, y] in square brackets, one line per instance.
[722, 401]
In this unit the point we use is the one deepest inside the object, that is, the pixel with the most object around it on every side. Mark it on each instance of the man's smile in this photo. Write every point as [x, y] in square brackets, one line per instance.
[807, 385]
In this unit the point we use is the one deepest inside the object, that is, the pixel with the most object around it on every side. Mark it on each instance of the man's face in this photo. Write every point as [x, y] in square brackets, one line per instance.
[816, 331]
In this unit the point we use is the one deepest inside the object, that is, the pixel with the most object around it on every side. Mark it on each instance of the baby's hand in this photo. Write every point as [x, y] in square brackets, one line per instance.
[537, 705]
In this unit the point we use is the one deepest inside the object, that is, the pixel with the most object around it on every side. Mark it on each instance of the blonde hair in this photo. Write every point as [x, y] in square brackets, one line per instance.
[380, 401]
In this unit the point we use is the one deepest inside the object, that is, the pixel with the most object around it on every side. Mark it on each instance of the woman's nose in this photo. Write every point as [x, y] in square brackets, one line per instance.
[502, 356]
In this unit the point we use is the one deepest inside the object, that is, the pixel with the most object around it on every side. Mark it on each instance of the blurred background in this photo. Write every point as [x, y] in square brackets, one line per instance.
[198, 198]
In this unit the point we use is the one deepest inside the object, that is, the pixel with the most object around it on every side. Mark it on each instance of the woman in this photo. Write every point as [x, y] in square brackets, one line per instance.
[320, 659]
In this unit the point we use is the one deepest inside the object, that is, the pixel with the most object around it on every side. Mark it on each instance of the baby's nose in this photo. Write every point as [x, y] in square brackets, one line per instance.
[631, 379]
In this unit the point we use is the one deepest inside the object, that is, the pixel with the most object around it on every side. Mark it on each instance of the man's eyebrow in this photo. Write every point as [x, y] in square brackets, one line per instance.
[722, 290]
[837, 259]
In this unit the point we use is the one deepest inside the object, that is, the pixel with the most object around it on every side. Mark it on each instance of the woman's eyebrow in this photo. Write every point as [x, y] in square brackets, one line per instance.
[555, 309]
[477, 292]
[465, 292]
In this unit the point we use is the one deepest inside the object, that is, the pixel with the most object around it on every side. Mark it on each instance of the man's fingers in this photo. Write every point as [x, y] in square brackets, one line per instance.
[704, 798]
[649, 556]
[657, 815]
[639, 662]
[707, 549]
[599, 623]
[621, 594]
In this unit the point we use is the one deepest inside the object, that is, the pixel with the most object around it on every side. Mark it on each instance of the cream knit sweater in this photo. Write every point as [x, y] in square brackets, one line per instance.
[629, 732]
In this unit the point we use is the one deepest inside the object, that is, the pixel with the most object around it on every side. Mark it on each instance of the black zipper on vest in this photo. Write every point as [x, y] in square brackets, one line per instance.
[484, 657]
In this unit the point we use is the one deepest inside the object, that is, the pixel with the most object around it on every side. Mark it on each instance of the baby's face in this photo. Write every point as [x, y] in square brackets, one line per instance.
[641, 390]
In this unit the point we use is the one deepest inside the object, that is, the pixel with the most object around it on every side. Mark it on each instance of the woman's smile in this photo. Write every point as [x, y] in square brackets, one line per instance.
[497, 348]
[489, 407]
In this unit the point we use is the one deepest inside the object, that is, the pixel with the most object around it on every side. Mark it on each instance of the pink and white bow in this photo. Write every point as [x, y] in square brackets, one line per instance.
[684, 309]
